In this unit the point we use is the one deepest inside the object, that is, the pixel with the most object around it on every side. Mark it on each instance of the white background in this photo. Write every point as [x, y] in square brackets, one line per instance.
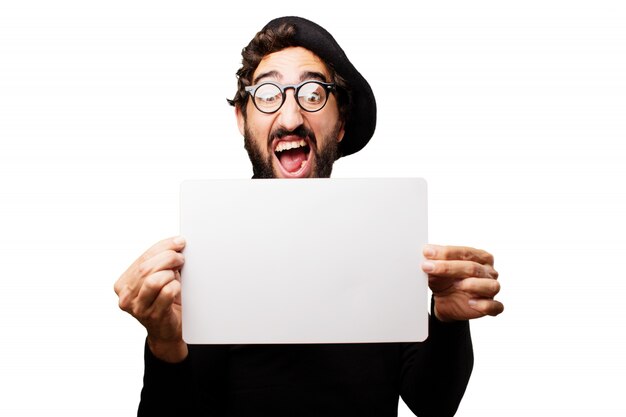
[515, 113]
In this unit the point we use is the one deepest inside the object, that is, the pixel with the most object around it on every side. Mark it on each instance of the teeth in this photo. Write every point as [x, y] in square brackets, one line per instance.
[286, 145]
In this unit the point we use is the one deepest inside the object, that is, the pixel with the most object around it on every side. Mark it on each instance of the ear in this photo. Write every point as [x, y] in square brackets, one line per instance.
[341, 132]
[240, 120]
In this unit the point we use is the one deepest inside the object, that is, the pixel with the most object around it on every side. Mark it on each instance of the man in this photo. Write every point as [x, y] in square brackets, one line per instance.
[300, 105]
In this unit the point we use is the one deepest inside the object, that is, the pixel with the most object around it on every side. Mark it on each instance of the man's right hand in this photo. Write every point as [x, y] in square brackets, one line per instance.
[149, 290]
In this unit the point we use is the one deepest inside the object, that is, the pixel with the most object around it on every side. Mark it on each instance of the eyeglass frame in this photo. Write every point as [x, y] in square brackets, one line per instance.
[328, 87]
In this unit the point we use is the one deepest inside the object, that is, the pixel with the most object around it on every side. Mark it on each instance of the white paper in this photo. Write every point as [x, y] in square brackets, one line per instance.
[304, 261]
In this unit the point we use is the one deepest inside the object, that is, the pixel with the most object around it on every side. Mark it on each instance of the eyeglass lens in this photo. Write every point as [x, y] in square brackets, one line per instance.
[311, 96]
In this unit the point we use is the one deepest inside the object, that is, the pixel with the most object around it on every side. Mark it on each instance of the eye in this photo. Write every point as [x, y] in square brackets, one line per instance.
[267, 97]
[312, 98]
[311, 94]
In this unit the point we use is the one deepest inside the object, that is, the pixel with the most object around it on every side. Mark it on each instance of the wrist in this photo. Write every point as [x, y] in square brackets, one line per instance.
[168, 351]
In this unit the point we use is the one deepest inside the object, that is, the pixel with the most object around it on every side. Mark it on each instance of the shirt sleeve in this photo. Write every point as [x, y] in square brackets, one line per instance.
[166, 389]
[435, 373]
[193, 387]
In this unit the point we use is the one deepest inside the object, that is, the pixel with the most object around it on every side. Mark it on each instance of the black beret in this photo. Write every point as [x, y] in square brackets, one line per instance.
[361, 121]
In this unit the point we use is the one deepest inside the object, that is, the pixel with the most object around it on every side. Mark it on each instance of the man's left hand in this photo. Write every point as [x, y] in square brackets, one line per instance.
[463, 282]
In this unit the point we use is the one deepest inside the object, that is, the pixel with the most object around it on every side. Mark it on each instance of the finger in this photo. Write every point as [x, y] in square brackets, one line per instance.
[125, 298]
[131, 277]
[479, 287]
[177, 299]
[487, 307]
[151, 288]
[462, 253]
[166, 298]
[168, 259]
[459, 269]
[176, 244]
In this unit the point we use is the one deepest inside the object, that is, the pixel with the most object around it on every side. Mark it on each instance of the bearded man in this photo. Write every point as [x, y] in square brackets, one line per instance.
[301, 105]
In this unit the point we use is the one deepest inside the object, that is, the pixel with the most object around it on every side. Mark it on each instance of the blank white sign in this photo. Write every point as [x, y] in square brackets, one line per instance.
[304, 261]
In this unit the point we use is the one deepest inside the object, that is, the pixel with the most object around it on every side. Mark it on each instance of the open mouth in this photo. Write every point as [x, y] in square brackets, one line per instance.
[293, 155]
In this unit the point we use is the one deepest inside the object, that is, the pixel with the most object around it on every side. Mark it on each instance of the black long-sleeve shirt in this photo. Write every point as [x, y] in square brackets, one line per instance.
[314, 380]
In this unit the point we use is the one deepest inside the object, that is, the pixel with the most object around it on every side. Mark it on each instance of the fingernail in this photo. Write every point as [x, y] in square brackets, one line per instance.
[179, 240]
[429, 251]
[472, 302]
[428, 267]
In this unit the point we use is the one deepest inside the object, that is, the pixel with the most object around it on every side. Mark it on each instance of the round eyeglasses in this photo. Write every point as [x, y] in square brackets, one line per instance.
[310, 95]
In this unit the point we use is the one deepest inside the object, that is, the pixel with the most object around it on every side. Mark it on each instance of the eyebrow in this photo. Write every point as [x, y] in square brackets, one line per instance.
[307, 75]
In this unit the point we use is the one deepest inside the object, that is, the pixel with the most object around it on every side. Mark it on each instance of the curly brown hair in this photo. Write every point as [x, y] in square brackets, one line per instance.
[273, 40]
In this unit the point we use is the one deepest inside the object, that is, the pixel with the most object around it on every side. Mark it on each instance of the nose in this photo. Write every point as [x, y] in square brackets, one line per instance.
[290, 116]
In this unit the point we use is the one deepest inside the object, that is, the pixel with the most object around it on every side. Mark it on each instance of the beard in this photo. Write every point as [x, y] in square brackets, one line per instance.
[324, 157]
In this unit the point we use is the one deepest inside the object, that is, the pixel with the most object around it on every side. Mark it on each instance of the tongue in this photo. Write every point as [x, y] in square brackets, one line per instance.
[292, 159]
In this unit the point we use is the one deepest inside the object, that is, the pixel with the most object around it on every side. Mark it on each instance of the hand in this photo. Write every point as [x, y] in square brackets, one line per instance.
[149, 290]
[463, 282]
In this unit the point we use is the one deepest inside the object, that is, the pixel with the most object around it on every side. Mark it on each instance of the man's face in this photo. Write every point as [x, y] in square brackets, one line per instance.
[291, 143]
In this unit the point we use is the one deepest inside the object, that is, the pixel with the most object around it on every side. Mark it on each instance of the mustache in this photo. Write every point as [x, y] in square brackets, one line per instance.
[300, 131]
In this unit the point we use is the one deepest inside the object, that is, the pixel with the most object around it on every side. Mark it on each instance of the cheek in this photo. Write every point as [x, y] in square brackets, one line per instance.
[326, 131]
[326, 123]
[258, 132]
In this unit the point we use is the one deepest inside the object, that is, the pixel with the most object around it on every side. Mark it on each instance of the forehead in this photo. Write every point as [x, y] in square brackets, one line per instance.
[288, 64]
